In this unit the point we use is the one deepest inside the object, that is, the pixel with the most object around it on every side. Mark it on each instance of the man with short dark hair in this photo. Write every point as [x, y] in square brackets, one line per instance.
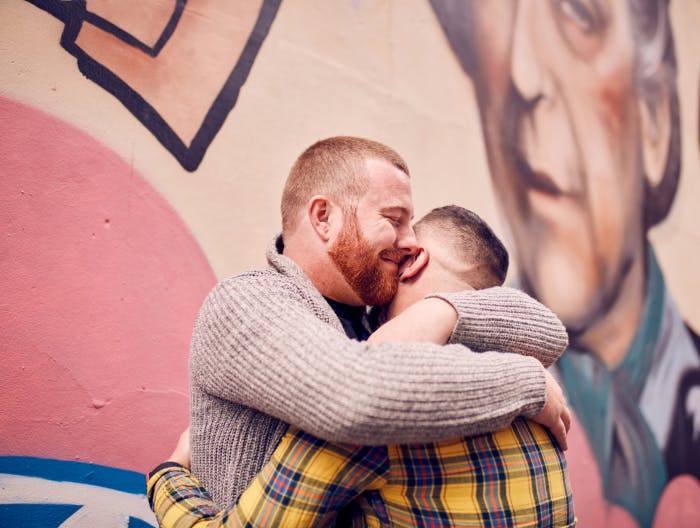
[309, 481]
[463, 246]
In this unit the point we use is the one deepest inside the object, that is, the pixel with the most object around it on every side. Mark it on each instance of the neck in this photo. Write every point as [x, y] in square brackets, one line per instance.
[432, 279]
[612, 332]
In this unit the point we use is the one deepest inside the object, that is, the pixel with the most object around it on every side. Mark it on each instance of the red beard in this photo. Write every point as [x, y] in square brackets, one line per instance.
[361, 267]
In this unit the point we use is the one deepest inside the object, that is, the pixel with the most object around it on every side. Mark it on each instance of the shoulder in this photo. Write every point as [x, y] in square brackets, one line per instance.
[264, 293]
[694, 337]
[684, 442]
[254, 285]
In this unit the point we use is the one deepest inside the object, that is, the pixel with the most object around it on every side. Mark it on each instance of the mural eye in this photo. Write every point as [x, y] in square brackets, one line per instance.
[581, 24]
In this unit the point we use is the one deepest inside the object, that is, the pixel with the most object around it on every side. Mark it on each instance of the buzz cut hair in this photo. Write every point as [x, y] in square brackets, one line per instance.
[335, 167]
[472, 241]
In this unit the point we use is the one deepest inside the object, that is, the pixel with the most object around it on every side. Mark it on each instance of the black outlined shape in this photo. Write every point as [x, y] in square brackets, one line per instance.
[74, 12]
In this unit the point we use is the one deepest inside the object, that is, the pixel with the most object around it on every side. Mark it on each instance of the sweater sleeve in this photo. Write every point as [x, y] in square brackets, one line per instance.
[507, 320]
[305, 483]
[261, 345]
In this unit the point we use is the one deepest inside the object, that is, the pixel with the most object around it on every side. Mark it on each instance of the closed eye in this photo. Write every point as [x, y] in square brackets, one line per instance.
[582, 23]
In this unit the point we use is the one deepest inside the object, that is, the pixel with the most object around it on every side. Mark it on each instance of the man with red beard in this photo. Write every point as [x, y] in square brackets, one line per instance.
[283, 345]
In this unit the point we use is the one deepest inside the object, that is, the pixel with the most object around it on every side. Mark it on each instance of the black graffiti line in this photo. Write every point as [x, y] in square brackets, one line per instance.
[228, 95]
[127, 37]
[74, 13]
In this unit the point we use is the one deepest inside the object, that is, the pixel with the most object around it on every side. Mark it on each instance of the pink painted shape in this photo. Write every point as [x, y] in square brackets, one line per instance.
[679, 506]
[592, 510]
[101, 285]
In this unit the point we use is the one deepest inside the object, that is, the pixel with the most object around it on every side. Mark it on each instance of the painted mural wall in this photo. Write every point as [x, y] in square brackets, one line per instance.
[143, 148]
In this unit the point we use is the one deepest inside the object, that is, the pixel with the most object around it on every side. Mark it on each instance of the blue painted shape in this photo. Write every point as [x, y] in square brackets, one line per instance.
[138, 523]
[38, 515]
[69, 471]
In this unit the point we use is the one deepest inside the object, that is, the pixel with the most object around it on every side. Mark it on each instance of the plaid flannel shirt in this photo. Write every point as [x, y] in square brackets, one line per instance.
[515, 477]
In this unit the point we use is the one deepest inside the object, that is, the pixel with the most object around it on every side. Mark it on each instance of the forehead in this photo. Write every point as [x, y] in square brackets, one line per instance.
[388, 187]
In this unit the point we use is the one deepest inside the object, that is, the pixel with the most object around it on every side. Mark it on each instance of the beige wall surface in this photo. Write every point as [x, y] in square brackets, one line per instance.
[376, 69]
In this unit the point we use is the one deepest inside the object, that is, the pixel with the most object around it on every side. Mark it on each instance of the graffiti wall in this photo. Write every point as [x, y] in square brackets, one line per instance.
[143, 148]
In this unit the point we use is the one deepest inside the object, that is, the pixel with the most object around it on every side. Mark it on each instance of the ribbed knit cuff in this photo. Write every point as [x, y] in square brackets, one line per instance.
[539, 391]
[506, 320]
[466, 304]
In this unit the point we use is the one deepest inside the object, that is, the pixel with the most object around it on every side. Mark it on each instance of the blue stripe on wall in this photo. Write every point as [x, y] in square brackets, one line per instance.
[36, 515]
[68, 471]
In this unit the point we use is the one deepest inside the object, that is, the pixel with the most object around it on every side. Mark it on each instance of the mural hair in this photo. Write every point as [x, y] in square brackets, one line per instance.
[655, 71]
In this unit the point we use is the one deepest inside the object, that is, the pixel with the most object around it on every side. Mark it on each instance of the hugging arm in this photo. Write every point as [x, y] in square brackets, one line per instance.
[306, 483]
[507, 320]
[179, 500]
[500, 318]
[273, 353]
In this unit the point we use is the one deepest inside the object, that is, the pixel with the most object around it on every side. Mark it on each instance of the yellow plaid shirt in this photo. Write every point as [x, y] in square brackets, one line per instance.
[515, 477]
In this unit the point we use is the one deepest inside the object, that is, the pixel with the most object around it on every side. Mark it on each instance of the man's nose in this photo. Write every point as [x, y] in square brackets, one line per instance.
[407, 241]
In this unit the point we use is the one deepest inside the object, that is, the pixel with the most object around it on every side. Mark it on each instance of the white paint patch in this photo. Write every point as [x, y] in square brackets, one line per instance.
[101, 507]
[692, 407]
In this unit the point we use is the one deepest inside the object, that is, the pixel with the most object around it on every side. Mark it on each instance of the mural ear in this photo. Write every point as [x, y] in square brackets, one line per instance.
[655, 121]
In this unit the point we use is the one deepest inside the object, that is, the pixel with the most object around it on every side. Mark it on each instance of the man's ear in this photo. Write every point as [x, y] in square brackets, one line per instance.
[655, 121]
[416, 265]
[319, 210]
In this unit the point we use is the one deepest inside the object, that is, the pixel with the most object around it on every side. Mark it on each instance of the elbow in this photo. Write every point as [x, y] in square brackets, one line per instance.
[555, 342]
[561, 342]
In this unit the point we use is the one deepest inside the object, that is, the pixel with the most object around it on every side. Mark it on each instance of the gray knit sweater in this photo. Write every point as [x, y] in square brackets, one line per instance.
[267, 350]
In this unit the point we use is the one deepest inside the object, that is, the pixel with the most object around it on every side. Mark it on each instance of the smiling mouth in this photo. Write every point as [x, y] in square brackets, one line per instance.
[536, 180]
[394, 260]
[394, 265]
[395, 257]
